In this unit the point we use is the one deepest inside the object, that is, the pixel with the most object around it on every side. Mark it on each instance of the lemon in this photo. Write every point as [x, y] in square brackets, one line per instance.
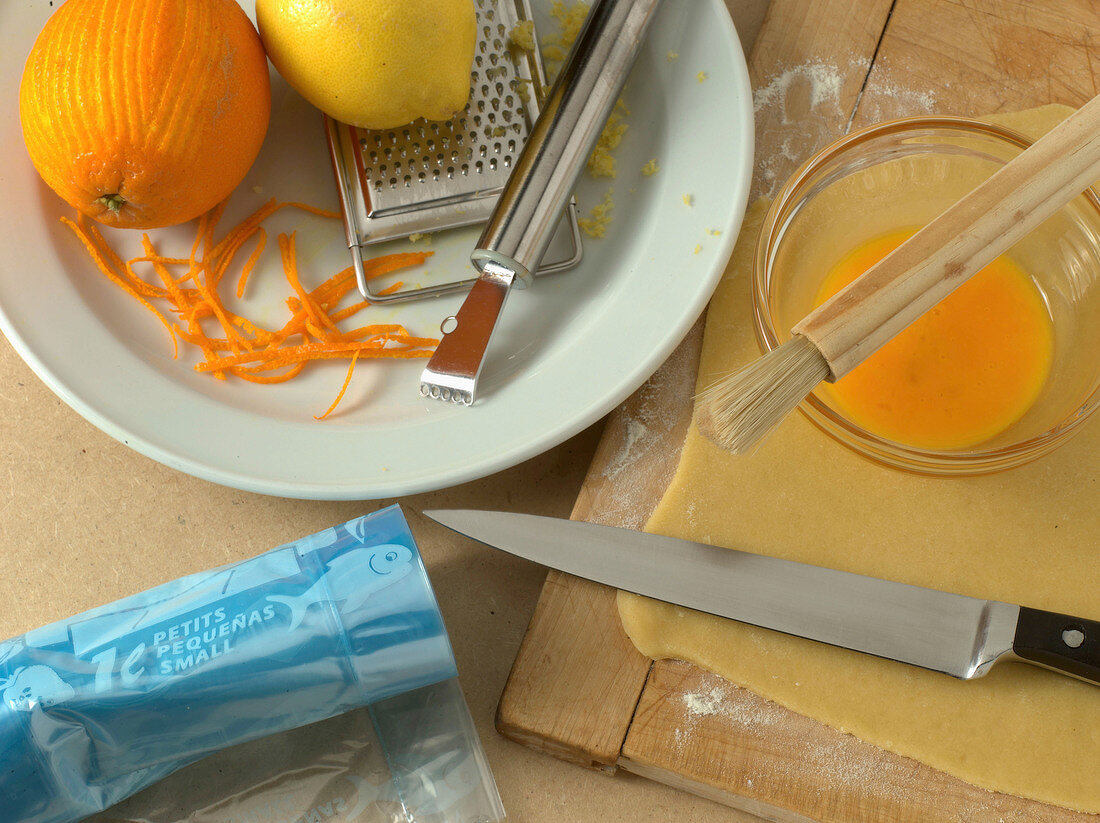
[376, 64]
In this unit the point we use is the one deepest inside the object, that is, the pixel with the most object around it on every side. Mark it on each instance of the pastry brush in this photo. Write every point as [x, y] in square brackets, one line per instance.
[740, 409]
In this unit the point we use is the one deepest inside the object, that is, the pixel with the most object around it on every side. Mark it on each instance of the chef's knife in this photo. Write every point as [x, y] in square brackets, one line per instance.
[960, 636]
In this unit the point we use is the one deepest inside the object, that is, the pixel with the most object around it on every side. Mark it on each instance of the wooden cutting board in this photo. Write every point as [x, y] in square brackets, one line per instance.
[578, 688]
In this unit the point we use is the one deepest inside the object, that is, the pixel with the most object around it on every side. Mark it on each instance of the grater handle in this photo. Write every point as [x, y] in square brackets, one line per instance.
[527, 213]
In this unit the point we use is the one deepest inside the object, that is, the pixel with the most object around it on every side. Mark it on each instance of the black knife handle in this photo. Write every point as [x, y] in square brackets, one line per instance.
[1060, 642]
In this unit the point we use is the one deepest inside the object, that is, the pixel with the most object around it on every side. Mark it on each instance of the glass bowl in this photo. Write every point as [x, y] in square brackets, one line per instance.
[901, 174]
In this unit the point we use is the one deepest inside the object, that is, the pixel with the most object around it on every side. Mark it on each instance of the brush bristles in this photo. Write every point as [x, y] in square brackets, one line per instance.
[741, 409]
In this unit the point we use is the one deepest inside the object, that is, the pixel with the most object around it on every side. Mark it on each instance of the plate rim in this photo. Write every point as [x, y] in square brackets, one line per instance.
[551, 437]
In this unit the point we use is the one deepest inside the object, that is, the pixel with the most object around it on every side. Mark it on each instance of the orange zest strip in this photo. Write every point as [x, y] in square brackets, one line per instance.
[363, 331]
[290, 267]
[114, 260]
[233, 345]
[281, 360]
[335, 215]
[104, 266]
[343, 388]
[378, 336]
[341, 278]
[391, 289]
[393, 262]
[156, 258]
[214, 216]
[405, 340]
[252, 377]
[290, 354]
[210, 295]
[345, 313]
[250, 264]
[198, 240]
[246, 226]
[366, 353]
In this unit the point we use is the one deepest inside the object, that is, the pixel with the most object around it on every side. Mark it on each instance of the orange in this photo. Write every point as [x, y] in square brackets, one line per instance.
[145, 113]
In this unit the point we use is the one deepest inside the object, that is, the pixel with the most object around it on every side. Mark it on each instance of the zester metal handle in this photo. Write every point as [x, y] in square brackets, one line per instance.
[530, 206]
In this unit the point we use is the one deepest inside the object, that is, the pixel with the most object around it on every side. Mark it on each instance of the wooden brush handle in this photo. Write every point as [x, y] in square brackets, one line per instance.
[859, 319]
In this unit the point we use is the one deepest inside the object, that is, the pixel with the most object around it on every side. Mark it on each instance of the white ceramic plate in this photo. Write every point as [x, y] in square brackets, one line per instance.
[569, 350]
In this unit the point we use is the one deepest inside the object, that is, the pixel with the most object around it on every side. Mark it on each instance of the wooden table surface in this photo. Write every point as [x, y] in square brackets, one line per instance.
[578, 689]
[81, 516]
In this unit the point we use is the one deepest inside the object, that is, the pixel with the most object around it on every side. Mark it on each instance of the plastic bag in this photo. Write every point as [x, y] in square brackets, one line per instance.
[100, 706]
[413, 759]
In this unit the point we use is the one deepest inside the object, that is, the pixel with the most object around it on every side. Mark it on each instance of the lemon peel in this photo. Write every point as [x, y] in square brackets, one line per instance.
[601, 163]
[375, 64]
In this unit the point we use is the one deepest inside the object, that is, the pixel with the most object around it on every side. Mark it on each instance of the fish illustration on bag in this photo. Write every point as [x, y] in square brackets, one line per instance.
[347, 582]
[33, 686]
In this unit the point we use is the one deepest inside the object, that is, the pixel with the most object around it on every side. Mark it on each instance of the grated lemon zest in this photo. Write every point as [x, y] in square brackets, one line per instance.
[595, 225]
[522, 36]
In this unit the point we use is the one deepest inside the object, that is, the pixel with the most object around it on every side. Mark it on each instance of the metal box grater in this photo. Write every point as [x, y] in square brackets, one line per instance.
[429, 176]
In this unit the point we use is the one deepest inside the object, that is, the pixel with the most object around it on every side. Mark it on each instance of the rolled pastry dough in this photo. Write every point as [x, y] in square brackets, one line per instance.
[1030, 536]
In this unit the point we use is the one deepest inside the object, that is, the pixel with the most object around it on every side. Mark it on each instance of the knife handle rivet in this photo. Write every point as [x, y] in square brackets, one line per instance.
[1073, 637]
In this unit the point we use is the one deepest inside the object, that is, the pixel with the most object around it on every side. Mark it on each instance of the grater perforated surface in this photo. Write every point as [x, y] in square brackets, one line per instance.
[470, 155]
[432, 176]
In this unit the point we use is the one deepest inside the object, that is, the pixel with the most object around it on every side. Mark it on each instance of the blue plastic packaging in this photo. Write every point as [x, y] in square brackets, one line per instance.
[97, 707]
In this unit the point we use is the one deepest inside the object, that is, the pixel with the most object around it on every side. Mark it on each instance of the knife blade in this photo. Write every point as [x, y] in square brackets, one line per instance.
[950, 633]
